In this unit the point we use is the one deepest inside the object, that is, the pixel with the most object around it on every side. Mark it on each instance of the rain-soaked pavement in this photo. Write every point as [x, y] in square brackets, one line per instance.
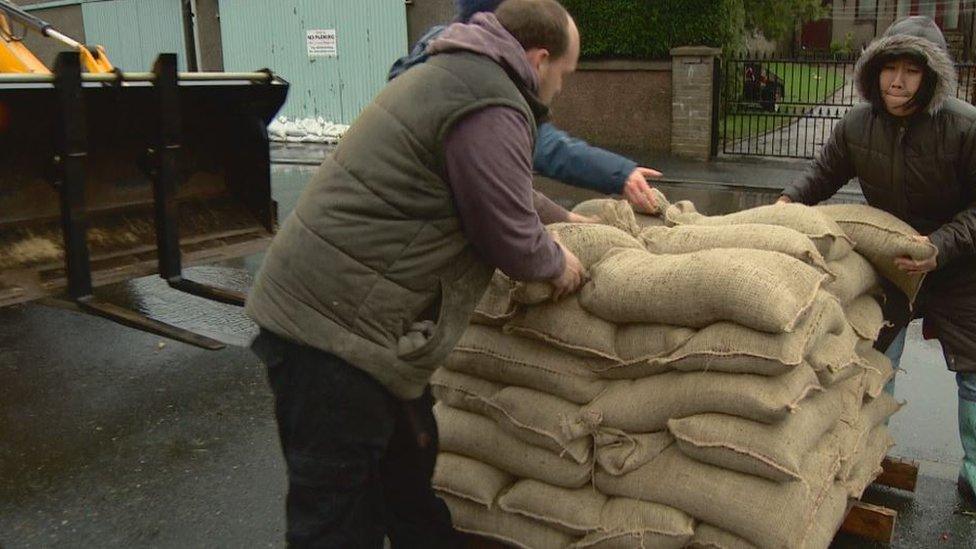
[111, 437]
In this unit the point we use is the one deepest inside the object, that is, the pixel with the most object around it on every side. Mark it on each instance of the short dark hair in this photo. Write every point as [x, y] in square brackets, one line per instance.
[536, 24]
[467, 8]
[926, 90]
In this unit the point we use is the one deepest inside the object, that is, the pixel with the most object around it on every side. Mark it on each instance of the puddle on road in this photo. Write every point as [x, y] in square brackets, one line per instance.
[152, 297]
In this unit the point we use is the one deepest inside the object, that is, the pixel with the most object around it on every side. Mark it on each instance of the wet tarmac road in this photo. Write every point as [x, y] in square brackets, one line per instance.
[925, 430]
[110, 437]
[110, 440]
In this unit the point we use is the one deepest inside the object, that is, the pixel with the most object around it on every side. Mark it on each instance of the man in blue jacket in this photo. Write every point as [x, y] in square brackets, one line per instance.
[557, 155]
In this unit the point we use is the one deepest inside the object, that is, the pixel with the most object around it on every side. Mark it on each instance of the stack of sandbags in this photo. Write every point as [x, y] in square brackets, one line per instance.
[619, 213]
[880, 238]
[712, 385]
[518, 454]
[857, 243]
[306, 130]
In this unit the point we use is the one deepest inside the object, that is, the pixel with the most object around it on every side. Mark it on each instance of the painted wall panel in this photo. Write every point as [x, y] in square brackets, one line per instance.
[67, 19]
[134, 32]
[371, 34]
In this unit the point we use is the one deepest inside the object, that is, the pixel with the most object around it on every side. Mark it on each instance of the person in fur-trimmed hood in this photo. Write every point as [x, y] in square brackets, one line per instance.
[912, 146]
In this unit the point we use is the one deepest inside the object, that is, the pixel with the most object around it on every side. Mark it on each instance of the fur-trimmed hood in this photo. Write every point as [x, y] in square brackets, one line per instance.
[918, 35]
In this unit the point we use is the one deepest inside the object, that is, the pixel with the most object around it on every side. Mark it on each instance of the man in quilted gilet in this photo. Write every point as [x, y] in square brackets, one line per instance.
[371, 280]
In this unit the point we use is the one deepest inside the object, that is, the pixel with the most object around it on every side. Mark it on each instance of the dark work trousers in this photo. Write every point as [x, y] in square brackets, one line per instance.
[360, 461]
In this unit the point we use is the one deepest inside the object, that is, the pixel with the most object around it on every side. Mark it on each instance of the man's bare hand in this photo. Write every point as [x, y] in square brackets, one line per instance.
[911, 266]
[649, 173]
[784, 200]
[638, 192]
[577, 218]
[572, 277]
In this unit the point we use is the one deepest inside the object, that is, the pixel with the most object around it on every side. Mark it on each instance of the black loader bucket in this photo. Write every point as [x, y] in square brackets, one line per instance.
[107, 177]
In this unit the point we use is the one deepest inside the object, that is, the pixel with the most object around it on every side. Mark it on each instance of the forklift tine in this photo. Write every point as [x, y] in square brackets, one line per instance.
[163, 167]
[132, 319]
[213, 293]
[73, 153]
[164, 156]
[71, 165]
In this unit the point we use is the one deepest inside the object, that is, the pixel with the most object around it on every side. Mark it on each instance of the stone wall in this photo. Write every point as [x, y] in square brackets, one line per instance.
[631, 107]
[643, 108]
[862, 28]
[619, 105]
[691, 107]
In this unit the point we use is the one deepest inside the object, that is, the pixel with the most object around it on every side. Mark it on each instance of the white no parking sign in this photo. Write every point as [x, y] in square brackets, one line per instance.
[321, 43]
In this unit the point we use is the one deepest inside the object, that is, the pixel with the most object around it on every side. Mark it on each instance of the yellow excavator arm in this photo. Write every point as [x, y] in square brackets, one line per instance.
[15, 57]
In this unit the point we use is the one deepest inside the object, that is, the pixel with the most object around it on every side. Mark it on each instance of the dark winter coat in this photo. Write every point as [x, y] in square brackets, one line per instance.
[921, 168]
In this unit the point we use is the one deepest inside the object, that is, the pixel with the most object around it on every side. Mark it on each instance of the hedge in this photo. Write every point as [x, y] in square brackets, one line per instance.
[648, 29]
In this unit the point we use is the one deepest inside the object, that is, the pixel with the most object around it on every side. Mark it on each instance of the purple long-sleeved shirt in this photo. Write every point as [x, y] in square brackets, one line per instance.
[488, 159]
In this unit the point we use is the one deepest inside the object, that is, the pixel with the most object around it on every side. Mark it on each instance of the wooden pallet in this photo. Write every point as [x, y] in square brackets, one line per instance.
[870, 521]
[874, 522]
[899, 473]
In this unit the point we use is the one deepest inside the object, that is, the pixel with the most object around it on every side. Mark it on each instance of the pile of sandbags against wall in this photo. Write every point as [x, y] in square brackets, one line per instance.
[713, 384]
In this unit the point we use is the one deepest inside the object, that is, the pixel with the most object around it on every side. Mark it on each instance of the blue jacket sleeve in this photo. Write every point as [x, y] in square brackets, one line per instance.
[417, 55]
[573, 161]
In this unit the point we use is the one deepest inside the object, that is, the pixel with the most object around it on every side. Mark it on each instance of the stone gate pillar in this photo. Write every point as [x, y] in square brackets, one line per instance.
[692, 74]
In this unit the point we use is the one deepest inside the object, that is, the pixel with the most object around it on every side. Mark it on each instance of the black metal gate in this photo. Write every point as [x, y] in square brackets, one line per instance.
[783, 106]
[966, 72]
